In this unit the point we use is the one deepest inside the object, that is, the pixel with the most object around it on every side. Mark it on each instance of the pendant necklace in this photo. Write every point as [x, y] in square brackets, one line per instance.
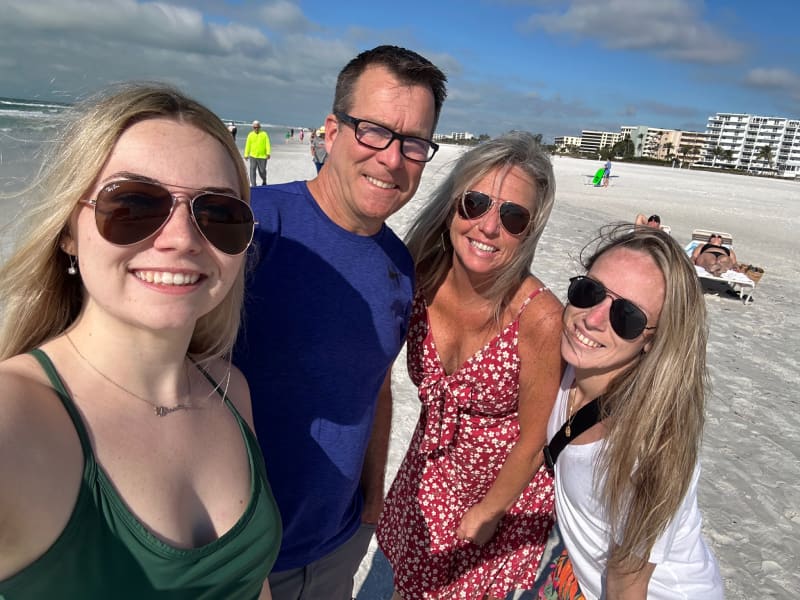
[159, 410]
[570, 405]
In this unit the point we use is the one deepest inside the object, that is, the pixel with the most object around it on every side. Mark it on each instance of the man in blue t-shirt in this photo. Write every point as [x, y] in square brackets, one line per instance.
[327, 311]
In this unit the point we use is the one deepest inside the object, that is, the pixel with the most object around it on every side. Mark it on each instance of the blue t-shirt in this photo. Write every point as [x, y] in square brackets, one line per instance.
[326, 314]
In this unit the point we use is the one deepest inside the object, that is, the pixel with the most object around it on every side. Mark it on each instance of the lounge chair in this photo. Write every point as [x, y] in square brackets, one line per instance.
[734, 280]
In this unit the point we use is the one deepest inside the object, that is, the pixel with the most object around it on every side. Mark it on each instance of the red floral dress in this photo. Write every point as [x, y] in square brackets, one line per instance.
[467, 427]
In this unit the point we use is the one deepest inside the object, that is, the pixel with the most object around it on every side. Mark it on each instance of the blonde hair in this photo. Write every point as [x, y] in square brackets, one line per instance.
[38, 298]
[654, 410]
[428, 238]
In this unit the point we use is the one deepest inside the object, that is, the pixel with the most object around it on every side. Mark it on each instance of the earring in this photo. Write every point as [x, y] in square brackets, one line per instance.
[73, 265]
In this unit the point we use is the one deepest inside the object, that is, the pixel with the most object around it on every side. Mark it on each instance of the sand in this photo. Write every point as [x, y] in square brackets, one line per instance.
[750, 486]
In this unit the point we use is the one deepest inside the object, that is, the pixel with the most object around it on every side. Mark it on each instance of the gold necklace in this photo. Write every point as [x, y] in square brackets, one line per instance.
[570, 406]
[159, 410]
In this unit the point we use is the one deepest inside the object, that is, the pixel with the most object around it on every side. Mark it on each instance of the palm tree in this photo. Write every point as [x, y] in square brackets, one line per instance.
[765, 154]
[683, 150]
[728, 154]
[669, 146]
[716, 153]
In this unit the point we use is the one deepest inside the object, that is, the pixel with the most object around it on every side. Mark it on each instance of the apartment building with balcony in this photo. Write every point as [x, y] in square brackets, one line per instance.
[563, 143]
[741, 138]
[592, 141]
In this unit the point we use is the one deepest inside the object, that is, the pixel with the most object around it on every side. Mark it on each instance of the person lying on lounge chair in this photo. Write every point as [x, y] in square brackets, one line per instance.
[714, 257]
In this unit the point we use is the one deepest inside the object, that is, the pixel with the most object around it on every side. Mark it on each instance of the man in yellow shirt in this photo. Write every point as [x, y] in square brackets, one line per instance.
[257, 150]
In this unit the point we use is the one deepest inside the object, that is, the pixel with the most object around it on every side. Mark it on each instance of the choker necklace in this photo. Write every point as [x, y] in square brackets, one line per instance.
[159, 410]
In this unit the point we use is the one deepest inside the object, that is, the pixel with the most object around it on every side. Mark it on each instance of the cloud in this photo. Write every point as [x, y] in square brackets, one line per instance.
[777, 79]
[672, 29]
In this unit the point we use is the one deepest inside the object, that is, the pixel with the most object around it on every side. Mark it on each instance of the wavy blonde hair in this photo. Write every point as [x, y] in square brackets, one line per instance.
[654, 410]
[428, 238]
[38, 299]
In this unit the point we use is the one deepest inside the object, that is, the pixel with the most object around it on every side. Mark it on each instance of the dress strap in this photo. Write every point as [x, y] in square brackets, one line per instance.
[533, 295]
[58, 385]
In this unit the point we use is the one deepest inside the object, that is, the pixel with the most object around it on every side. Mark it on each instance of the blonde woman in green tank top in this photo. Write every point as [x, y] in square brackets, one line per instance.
[128, 464]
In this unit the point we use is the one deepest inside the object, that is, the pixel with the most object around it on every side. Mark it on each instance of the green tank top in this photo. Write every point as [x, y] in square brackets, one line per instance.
[105, 552]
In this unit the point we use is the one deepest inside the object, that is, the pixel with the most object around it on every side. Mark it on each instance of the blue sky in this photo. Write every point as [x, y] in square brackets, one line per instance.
[548, 66]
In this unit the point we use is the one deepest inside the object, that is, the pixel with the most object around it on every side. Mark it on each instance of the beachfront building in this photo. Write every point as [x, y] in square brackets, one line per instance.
[592, 141]
[567, 143]
[761, 145]
[455, 136]
[665, 144]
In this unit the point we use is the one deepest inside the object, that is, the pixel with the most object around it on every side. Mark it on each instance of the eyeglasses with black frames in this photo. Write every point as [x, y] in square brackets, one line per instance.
[375, 136]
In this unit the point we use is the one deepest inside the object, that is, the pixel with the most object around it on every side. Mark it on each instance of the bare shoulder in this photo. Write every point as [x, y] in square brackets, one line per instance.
[233, 384]
[542, 317]
[26, 395]
[40, 456]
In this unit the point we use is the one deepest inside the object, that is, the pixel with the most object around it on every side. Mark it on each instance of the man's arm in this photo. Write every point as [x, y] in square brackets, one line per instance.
[374, 470]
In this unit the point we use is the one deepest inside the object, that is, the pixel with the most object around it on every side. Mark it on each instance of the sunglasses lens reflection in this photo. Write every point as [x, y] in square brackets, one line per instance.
[128, 212]
[513, 217]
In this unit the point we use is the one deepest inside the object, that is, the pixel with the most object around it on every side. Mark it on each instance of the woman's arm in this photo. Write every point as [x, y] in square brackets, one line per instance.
[540, 374]
[628, 586]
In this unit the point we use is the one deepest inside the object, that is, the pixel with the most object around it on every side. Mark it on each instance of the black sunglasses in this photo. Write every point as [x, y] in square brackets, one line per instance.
[627, 320]
[378, 137]
[514, 218]
[128, 211]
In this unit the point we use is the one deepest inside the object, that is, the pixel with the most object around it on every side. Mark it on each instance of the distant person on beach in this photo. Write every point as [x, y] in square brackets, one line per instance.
[318, 151]
[327, 313]
[626, 427]
[257, 150]
[471, 506]
[653, 221]
[233, 130]
[128, 463]
[606, 172]
[714, 257]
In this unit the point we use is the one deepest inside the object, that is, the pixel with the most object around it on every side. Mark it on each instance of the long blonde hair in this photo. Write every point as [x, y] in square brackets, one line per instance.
[654, 410]
[428, 238]
[38, 299]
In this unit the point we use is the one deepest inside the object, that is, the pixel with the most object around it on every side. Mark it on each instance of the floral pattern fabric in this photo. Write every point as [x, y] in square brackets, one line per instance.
[467, 427]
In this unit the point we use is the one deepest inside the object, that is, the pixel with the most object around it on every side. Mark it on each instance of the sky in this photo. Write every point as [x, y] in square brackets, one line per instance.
[548, 66]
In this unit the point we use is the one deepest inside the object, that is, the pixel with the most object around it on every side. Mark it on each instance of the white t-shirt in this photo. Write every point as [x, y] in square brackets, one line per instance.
[685, 568]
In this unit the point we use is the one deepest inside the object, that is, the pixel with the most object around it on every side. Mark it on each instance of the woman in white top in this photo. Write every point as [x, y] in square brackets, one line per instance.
[626, 488]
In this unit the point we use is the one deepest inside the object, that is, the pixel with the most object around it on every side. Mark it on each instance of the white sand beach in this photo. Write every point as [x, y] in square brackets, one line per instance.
[750, 487]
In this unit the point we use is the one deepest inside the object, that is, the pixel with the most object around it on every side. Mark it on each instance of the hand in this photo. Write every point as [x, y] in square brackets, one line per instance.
[477, 526]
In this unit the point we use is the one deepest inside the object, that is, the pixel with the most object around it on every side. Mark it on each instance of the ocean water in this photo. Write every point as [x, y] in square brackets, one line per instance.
[28, 128]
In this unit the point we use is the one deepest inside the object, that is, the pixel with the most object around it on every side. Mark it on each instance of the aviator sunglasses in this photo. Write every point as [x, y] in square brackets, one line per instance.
[514, 218]
[627, 320]
[128, 211]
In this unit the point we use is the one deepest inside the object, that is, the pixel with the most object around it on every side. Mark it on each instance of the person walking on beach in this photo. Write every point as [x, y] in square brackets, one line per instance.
[625, 431]
[606, 172]
[471, 506]
[128, 464]
[327, 313]
[232, 129]
[257, 150]
[318, 151]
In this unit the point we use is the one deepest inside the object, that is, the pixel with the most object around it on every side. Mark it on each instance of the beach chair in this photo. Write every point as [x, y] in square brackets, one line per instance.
[737, 281]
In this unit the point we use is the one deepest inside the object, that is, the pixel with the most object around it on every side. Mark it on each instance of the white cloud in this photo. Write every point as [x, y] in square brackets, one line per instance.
[669, 28]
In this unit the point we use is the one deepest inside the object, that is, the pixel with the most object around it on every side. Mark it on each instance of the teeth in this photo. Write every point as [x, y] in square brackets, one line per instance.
[381, 184]
[586, 341]
[167, 277]
[482, 246]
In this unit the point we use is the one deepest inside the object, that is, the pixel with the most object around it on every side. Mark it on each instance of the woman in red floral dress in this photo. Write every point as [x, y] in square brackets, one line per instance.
[471, 507]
